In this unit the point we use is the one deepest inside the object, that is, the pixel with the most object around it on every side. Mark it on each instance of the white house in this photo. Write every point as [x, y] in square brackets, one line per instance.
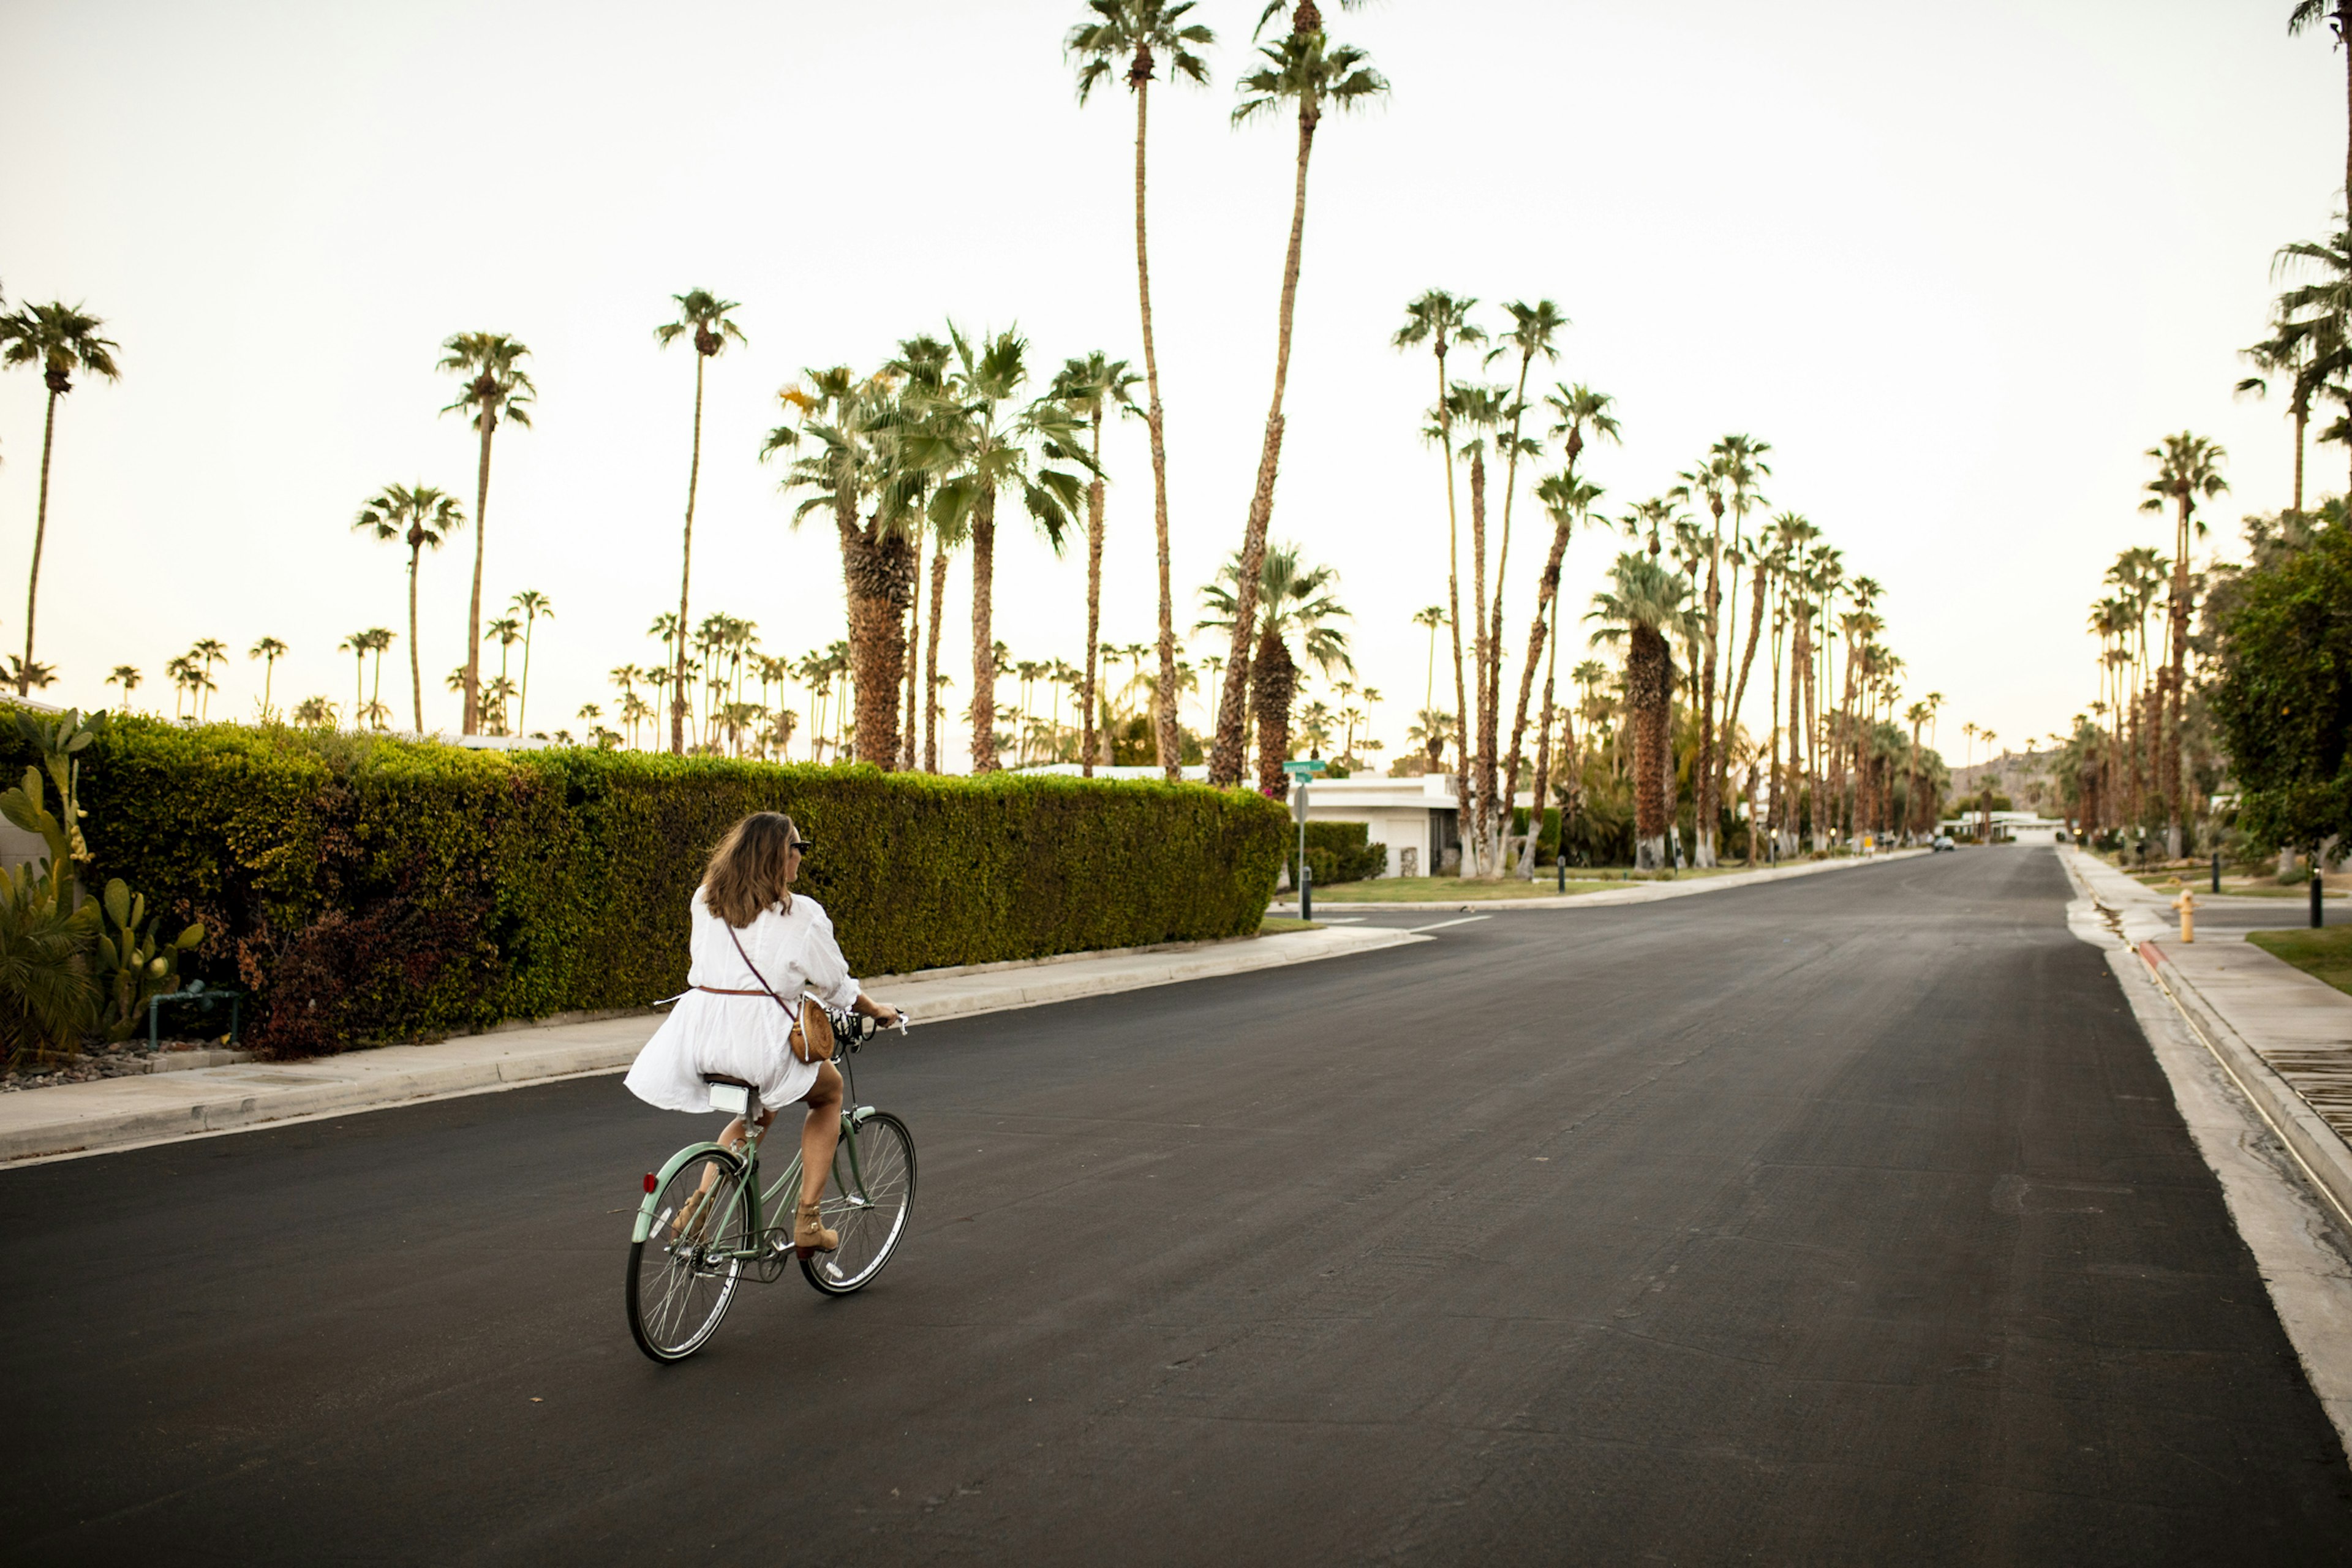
[1416, 818]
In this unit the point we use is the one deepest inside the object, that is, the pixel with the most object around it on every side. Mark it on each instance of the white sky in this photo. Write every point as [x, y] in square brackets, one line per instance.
[1960, 266]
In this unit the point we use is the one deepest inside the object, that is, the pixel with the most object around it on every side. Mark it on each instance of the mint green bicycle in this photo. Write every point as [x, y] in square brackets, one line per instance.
[702, 1227]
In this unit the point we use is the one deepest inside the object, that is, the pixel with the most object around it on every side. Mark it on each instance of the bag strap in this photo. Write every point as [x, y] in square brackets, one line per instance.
[755, 969]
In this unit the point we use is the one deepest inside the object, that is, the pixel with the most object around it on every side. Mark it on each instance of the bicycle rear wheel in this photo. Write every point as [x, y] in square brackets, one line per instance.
[873, 1217]
[684, 1274]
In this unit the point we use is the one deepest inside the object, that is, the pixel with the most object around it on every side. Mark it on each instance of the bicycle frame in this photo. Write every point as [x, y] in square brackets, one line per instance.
[787, 1184]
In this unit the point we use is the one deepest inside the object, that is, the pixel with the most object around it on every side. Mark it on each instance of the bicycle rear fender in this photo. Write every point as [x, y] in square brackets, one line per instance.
[644, 1225]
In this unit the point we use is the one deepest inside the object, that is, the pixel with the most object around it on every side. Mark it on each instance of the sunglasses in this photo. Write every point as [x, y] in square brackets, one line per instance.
[802, 844]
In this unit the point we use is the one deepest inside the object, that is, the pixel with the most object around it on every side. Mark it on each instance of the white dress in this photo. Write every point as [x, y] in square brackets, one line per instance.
[744, 1036]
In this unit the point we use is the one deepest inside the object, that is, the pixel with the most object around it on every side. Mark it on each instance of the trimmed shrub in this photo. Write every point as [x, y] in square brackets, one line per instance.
[1336, 851]
[365, 888]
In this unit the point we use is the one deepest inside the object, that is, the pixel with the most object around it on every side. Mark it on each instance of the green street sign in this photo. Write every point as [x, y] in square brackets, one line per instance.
[1306, 767]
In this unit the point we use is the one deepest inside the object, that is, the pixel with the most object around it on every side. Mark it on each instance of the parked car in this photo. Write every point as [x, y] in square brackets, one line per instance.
[1943, 841]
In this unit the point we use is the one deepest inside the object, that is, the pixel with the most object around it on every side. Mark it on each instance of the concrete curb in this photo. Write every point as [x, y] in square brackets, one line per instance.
[1631, 893]
[2298, 1126]
[114, 1114]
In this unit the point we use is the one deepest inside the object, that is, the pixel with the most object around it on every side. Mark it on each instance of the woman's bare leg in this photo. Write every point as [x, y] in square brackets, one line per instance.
[820, 1132]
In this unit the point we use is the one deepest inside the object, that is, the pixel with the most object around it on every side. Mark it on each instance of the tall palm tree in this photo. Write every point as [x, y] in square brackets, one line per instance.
[359, 644]
[1089, 387]
[1647, 607]
[127, 676]
[1485, 411]
[994, 443]
[208, 652]
[422, 518]
[1532, 336]
[1294, 600]
[1584, 415]
[379, 642]
[269, 649]
[61, 339]
[1307, 70]
[1745, 455]
[2316, 315]
[1140, 33]
[703, 321]
[533, 606]
[2188, 470]
[1443, 320]
[496, 388]
[2292, 352]
[2336, 15]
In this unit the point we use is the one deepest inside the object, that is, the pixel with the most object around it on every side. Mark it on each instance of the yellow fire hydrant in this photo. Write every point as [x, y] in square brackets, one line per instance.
[2186, 904]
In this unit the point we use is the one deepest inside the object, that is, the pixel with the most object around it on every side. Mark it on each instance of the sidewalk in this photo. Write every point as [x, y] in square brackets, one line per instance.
[2284, 1037]
[125, 1112]
[1631, 893]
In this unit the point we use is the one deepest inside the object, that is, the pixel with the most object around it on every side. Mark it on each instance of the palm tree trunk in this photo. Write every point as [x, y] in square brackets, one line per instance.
[1746, 661]
[1547, 593]
[2302, 419]
[415, 662]
[983, 633]
[1486, 830]
[1543, 753]
[1649, 698]
[1492, 718]
[913, 630]
[472, 718]
[522, 702]
[932, 659]
[1705, 809]
[1273, 683]
[1165, 732]
[1772, 783]
[1094, 610]
[684, 571]
[1225, 759]
[2173, 738]
[40, 535]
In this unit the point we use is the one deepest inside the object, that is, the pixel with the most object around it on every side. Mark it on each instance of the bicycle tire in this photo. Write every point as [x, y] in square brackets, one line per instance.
[871, 1223]
[675, 1299]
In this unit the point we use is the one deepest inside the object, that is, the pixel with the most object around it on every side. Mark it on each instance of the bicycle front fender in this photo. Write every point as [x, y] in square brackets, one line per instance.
[644, 1225]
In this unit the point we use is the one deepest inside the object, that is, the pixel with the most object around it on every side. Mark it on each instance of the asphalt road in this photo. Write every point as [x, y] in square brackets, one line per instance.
[1847, 1220]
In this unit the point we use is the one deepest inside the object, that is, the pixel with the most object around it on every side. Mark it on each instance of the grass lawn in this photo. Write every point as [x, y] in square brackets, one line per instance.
[1274, 925]
[2231, 886]
[2324, 954]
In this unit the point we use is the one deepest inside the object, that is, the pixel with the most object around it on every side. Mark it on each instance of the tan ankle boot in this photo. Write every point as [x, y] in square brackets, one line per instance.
[809, 1234]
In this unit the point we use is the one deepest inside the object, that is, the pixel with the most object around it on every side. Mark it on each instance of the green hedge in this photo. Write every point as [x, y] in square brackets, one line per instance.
[367, 888]
[1338, 851]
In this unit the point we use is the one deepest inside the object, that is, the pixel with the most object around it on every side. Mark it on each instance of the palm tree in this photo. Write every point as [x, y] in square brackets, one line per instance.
[359, 644]
[1297, 601]
[1745, 455]
[207, 653]
[1432, 618]
[375, 712]
[2335, 15]
[2292, 352]
[2188, 470]
[1647, 607]
[506, 631]
[1305, 69]
[1089, 387]
[531, 605]
[61, 339]
[1484, 410]
[315, 713]
[128, 677]
[993, 444]
[702, 316]
[496, 388]
[1532, 334]
[1584, 415]
[2315, 317]
[861, 432]
[1138, 34]
[420, 517]
[1443, 320]
[269, 649]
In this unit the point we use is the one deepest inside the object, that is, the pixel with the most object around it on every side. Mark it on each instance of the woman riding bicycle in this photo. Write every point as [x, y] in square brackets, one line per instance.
[756, 948]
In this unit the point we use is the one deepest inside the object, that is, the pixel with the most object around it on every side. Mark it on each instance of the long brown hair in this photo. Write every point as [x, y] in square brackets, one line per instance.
[746, 873]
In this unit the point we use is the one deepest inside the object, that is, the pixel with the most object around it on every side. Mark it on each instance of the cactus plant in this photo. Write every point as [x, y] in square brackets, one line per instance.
[133, 965]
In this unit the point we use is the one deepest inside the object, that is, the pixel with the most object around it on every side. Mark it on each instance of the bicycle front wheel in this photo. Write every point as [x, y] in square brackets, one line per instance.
[684, 1274]
[867, 1201]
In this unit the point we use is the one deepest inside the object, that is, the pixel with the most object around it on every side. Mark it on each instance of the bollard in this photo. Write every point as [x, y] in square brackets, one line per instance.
[2318, 916]
[2217, 870]
[2186, 904]
[1306, 890]
[1559, 864]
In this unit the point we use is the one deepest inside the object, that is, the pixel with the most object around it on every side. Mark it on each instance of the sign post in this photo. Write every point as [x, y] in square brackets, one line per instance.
[1303, 770]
